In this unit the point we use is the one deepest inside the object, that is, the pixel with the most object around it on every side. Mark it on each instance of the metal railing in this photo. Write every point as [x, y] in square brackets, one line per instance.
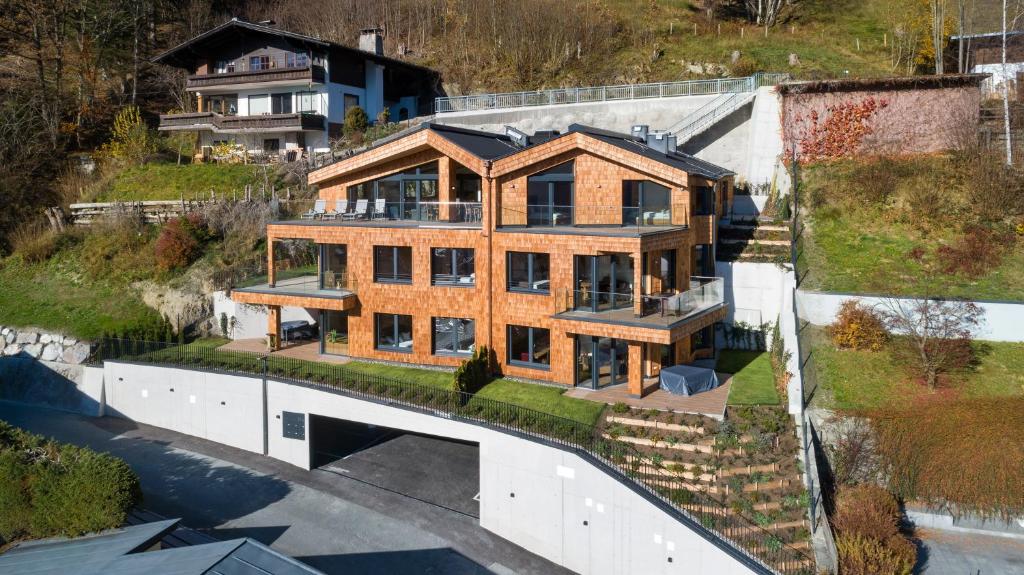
[285, 282]
[655, 309]
[549, 215]
[192, 120]
[429, 212]
[763, 551]
[602, 93]
[709, 113]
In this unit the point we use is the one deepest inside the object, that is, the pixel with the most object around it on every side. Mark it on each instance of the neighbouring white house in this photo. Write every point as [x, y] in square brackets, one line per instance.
[267, 90]
[983, 54]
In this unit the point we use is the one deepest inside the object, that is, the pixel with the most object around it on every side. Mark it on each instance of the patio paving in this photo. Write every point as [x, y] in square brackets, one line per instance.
[306, 350]
[710, 403]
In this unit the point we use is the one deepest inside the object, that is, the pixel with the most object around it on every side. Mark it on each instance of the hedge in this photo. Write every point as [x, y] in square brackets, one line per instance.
[49, 488]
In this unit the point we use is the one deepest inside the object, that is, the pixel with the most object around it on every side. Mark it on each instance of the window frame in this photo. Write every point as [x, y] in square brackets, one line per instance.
[394, 277]
[453, 259]
[281, 100]
[395, 333]
[530, 345]
[704, 201]
[459, 331]
[530, 269]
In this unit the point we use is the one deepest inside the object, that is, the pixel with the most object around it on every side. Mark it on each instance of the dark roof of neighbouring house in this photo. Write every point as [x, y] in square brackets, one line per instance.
[181, 55]
[123, 552]
[490, 146]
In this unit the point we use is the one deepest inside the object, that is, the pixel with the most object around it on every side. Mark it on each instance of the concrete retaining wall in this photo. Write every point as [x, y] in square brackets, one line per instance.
[1004, 321]
[547, 500]
[250, 321]
[56, 385]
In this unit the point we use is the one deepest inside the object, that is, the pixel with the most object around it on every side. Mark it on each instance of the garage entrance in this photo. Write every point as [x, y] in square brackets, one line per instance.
[435, 470]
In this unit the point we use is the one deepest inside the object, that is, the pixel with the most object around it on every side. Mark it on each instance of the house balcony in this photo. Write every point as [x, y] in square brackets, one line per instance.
[220, 123]
[386, 214]
[326, 290]
[612, 220]
[276, 72]
[661, 311]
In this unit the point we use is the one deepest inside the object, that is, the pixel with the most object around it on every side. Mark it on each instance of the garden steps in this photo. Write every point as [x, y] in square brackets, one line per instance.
[655, 424]
[802, 545]
[747, 470]
[713, 489]
[754, 242]
[722, 511]
[772, 485]
[707, 448]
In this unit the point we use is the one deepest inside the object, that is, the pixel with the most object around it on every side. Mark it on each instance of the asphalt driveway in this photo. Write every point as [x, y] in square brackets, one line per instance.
[332, 522]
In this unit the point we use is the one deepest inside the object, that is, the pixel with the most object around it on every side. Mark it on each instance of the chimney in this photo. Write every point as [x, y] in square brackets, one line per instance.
[640, 132]
[664, 142]
[372, 40]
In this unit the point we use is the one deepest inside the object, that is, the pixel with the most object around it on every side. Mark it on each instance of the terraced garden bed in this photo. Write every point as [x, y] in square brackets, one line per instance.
[749, 462]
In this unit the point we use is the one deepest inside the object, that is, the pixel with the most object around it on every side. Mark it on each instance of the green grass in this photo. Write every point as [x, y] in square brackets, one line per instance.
[544, 398]
[164, 181]
[753, 382]
[865, 379]
[57, 295]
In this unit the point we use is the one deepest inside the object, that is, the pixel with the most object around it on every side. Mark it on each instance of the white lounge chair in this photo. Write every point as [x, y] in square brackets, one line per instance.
[318, 210]
[358, 212]
[340, 207]
[380, 209]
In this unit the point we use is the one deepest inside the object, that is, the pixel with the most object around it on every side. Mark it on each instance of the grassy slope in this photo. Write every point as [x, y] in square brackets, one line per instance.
[57, 295]
[164, 181]
[753, 382]
[864, 379]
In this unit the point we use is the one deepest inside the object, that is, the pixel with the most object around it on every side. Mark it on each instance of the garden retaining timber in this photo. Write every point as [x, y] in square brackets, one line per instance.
[655, 424]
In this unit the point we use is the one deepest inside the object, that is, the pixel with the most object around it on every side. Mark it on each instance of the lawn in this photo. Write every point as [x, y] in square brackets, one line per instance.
[753, 382]
[865, 379]
[166, 181]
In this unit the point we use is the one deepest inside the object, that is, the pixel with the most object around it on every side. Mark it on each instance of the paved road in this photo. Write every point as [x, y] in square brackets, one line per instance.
[946, 553]
[337, 524]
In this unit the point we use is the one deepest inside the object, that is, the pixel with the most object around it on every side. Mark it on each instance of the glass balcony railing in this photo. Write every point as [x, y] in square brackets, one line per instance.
[325, 284]
[663, 310]
[550, 215]
[398, 213]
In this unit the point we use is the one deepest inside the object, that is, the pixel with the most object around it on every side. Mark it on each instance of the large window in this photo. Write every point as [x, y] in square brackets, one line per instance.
[528, 272]
[549, 197]
[300, 60]
[453, 335]
[307, 102]
[226, 104]
[705, 201]
[334, 264]
[705, 260]
[257, 63]
[392, 264]
[259, 104]
[645, 203]
[394, 332]
[603, 282]
[281, 103]
[408, 195]
[452, 266]
[529, 346]
[334, 332]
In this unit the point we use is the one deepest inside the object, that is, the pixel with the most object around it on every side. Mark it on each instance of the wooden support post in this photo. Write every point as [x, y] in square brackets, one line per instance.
[273, 327]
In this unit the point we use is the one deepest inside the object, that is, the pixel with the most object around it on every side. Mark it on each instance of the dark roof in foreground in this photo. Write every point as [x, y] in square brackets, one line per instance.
[123, 552]
[491, 146]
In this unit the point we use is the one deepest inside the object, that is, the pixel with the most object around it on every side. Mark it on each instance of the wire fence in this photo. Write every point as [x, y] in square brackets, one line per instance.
[623, 461]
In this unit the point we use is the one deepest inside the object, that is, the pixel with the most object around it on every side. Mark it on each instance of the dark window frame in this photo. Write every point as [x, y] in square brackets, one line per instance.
[278, 101]
[394, 278]
[396, 332]
[530, 345]
[530, 269]
[459, 331]
[704, 201]
[453, 260]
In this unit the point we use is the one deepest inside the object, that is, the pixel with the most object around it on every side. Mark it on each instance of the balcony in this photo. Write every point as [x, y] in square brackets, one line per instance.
[595, 220]
[382, 213]
[654, 310]
[260, 71]
[241, 124]
[296, 290]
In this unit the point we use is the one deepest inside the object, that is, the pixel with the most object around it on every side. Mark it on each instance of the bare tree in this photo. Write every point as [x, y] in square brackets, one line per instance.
[938, 32]
[934, 334]
[764, 12]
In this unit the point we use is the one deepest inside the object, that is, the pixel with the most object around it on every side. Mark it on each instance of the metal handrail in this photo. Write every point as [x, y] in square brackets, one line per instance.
[552, 215]
[602, 93]
[699, 510]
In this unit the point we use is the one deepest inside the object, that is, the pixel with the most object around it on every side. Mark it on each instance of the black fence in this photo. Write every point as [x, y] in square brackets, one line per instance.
[759, 547]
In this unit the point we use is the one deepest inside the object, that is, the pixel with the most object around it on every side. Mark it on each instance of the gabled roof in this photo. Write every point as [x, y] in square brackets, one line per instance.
[489, 146]
[182, 54]
[123, 552]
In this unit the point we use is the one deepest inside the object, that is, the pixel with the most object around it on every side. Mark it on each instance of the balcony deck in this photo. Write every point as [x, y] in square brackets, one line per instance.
[383, 223]
[303, 75]
[612, 230]
[240, 124]
[297, 291]
[710, 403]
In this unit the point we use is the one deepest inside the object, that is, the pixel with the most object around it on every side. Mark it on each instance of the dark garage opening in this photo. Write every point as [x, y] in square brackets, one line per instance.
[435, 470]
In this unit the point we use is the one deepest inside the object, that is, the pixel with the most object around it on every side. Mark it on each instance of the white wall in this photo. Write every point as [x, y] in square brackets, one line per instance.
[753, 291]
[1002, 322]
[554, 491]
[251, 320]
[765, 141]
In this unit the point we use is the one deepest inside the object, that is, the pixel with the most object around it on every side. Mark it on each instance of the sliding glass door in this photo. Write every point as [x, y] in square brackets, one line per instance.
[603, 283]
[601, 361]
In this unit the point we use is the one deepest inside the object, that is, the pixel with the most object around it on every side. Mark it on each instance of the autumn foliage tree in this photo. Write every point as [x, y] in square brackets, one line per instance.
[934, 335]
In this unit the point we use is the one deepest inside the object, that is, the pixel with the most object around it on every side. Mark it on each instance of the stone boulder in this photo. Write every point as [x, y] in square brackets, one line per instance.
[76, 353]
[69, 341]
[26, 337]
[45, 338]
[9, 337]
[51, 352]
[12, 349]
[33, 349]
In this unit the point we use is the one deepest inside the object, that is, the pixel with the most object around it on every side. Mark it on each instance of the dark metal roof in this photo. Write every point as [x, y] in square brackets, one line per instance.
[122, 552]
[177, 55]
[678, 160]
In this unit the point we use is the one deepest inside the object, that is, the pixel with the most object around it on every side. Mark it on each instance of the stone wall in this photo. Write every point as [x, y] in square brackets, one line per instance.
[42, 345]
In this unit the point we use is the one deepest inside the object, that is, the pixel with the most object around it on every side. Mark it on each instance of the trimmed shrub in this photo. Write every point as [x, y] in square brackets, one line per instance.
[474, 373]
[356, 120]
[867, 511]
[865, 556]
[858, 327]
[49, 488]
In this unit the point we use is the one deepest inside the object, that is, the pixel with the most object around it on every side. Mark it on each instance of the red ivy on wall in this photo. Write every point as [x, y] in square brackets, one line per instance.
[839, 132]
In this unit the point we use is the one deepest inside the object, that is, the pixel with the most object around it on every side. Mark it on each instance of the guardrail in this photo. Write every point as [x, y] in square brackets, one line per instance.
[655, 309]
[603, 93]
[584, 215]
[730, 530]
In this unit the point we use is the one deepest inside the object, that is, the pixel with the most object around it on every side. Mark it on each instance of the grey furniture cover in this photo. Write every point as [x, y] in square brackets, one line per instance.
[688, 379]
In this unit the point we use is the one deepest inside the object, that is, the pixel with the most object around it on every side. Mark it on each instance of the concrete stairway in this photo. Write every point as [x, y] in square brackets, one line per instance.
[711, 113]
[753, 242]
